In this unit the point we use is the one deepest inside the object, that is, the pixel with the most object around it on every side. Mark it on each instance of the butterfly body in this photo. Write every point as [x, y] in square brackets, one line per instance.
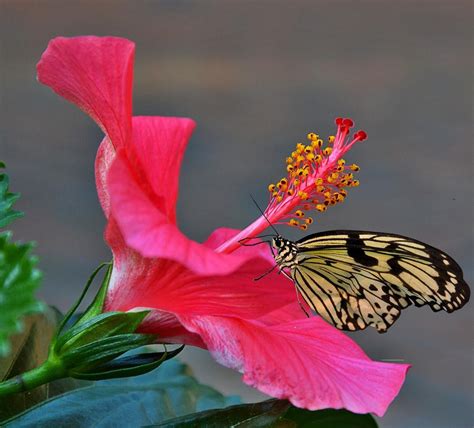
[354, 279]
[287, 252]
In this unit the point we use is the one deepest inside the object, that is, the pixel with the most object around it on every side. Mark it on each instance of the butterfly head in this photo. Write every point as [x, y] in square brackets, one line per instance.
[286, 251]
[278, 242]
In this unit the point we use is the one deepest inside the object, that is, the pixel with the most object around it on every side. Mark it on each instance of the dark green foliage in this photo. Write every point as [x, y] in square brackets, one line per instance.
[19, 279]
[7, 199]
[162, 394]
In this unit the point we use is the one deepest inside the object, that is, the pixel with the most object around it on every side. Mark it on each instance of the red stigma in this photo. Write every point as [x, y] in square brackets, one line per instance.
[348, 122]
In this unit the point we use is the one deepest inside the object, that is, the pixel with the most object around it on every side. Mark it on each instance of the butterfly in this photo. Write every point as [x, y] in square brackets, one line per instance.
[355, 279]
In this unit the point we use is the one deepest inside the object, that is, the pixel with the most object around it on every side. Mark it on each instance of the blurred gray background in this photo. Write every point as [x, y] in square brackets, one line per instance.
[257, 76]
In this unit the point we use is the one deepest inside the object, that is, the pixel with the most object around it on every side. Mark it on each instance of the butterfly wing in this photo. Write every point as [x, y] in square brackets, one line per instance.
[354, 279]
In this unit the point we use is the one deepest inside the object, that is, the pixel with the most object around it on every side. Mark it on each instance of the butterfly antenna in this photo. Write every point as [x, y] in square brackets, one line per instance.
[266, 218]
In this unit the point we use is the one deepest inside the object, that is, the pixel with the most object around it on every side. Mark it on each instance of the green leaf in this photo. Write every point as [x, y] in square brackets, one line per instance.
[88, 357]
[19, 279]
[264, 414]
[132, 365]
[99, 327]
[271, 413]
[7, 199]
[162, 394]
[329, 418]
[89, 347]
[95, 308]
[29, 350]
[97, 305]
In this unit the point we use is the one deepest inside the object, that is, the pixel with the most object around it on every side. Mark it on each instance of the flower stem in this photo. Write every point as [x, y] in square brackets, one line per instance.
[47, 372]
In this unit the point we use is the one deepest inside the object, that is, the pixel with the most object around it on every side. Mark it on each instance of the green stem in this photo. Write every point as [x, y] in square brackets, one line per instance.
[47, 372]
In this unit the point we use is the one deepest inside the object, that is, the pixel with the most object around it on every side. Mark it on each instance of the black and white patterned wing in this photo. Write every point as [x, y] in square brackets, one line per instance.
[354, 279]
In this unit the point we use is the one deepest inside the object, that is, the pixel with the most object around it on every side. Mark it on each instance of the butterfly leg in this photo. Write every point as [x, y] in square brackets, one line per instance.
[266, 273]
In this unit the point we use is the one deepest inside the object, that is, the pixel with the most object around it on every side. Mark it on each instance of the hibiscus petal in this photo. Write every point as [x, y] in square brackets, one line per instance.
[166, 285]
[96, 74]
[307, 361]
[168, 329]
[158, 146]
[150, 232]
[103, 161]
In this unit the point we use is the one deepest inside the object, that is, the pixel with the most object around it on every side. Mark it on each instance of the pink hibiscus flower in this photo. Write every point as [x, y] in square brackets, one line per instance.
[205, 294]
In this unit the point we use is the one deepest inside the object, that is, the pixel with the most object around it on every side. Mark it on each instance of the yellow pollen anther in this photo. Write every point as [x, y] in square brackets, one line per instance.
[313, 182]
[303, 195]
